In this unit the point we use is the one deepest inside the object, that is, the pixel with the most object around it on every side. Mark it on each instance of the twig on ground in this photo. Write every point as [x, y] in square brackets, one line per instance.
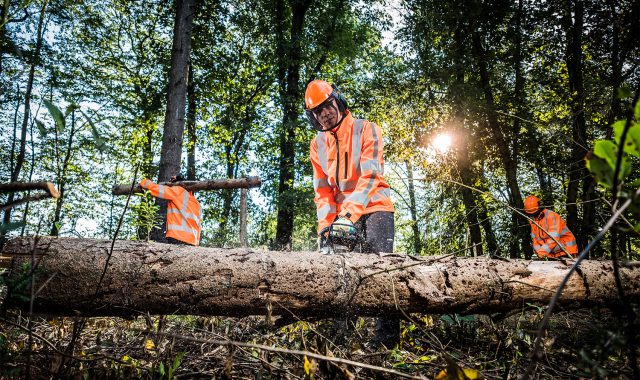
[294, 352]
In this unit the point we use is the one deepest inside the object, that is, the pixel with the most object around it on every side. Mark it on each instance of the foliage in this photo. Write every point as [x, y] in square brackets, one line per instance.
[604, 160]
[148, 214]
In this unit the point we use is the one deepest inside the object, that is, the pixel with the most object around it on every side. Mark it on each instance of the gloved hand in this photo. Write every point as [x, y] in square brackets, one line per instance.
[341, 227]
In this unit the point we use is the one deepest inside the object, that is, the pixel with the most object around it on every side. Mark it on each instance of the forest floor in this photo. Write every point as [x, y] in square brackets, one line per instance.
[581, 344]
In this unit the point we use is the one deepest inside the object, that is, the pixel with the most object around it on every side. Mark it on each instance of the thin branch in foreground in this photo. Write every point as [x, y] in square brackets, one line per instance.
[535, 353]
[263, 347]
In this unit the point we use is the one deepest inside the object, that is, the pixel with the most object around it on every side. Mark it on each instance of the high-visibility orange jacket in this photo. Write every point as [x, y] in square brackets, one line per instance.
[183, 211]
[348, 172]
[552, 225]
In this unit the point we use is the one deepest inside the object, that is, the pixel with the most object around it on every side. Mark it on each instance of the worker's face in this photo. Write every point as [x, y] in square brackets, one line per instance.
[328, 113]
[533, 214]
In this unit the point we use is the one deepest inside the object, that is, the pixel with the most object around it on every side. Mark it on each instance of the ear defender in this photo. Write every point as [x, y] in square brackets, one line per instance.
[338, 95]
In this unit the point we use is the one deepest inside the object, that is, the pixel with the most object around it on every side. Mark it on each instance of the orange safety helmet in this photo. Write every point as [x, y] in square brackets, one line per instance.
[317, 97]
[531, 204]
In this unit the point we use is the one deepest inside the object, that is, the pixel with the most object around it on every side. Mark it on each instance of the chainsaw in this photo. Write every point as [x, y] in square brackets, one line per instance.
[334, 240]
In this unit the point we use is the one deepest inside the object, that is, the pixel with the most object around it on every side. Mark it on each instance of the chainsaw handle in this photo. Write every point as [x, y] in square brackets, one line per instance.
[324, 235]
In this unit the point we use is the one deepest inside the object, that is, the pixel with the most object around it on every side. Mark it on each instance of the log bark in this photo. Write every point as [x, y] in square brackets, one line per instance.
[49, 187]
[173, 279]
[214, 184]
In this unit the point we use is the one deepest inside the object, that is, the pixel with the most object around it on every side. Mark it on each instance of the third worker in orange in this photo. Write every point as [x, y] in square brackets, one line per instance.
[549, 233]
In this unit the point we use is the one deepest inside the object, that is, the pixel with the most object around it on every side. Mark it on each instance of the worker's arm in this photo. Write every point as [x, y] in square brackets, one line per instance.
[556, 225]
[162, 191]
[325, 203]
[372, 168]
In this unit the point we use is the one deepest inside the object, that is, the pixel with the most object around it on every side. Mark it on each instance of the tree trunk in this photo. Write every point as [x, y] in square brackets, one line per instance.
[214, 184]
[191, 127]
[510, 165]
[4, 19]
[171, 279]
[35, 61]
[462, 152]
[416, 240]
[577, 171]
[468, 198]
[290, 57]
[171, 151]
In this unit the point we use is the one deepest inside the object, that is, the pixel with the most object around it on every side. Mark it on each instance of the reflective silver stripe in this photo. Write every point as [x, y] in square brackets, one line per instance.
[348, 185]
[544, 247]
[362, 197]
[533, 235]
[371, 165]
[321, 142]
[386, 192]
[356, 144]
[175, 227]
[564, 231]
[161, 191]
[320, 183]
[570, 244]
[325, 210]
[186, 215]
[554, 234]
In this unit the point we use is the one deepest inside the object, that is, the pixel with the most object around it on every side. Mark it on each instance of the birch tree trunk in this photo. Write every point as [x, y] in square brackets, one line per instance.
[174, 279]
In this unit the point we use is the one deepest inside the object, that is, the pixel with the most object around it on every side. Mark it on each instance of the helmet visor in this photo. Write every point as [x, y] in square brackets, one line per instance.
[327, 115]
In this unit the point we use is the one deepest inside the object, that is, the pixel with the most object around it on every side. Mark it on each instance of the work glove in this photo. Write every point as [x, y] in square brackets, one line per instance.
[342, 227]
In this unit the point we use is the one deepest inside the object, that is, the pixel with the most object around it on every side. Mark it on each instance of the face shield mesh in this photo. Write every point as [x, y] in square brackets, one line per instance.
[329, 105]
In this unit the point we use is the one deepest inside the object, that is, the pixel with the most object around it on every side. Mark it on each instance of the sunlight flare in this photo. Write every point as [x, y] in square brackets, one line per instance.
[442, 143]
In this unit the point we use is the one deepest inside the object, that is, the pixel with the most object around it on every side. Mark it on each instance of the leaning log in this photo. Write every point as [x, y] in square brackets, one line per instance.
[48, 187]
[215, 184]
[172, 279]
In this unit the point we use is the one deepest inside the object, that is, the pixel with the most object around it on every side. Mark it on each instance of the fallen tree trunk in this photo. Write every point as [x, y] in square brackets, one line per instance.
[174, 279]
[49, 187]
[215, 184]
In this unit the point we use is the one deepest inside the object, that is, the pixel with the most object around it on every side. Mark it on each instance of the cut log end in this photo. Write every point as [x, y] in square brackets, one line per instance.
[51, 189]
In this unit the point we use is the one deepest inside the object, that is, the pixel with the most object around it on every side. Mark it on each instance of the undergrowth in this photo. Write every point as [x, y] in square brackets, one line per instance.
[581, 344]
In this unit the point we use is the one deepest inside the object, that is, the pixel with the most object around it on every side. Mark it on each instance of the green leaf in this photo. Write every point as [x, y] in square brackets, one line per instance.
[608, 150]
[41, 128]
[632, 142]
[56, 114]
[625, 168]
[624, 92]
[618, 127]
[636, 111]
[601, 169]
[70, 108]
[101, 143]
